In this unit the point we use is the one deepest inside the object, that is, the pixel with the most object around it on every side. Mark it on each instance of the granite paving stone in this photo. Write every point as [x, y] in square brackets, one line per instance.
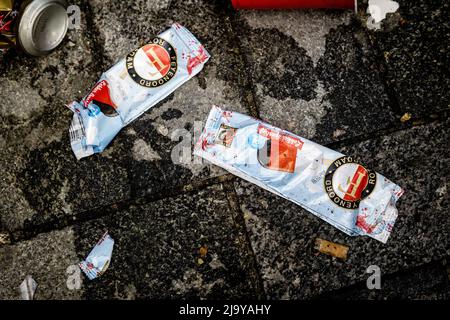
[315, 73]
[186, 246]
[427, 282]
[415, 43]
[50, 258]
[157, 250]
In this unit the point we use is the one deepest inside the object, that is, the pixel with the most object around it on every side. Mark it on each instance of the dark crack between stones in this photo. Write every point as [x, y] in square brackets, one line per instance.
[239, 222]
[249, 90]
[109, 209]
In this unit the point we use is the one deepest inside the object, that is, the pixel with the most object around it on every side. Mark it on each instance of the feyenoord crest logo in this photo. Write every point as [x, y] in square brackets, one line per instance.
[153, 64]
[226, 135]
[347, 182]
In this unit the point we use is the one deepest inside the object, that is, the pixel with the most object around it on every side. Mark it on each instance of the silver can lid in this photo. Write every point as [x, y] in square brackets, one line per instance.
[42, 26]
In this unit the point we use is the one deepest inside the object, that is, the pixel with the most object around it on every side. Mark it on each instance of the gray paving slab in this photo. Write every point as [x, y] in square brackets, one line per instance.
[157, 254]
[41, 178]
[415, 43]
[314, 73]
[48, 259]
[427, 282]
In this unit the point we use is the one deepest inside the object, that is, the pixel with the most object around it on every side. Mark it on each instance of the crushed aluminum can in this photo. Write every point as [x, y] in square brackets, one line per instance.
[334, 187]
[99, 258]
[37, 27]
[27, 288]
[136, 83]
[42, 26]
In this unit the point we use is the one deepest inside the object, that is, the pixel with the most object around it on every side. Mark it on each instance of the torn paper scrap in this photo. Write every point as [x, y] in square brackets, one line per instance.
[99, 258]
[27, 288]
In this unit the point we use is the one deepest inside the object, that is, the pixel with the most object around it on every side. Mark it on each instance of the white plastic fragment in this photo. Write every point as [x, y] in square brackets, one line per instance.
[27, 288]
[378, 9]
[99, 258]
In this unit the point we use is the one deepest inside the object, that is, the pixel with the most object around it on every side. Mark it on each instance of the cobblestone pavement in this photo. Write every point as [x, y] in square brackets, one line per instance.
[321, 74]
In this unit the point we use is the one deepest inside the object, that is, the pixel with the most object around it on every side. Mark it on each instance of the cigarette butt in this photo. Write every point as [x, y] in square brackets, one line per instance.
[405, 117]
[331, 248]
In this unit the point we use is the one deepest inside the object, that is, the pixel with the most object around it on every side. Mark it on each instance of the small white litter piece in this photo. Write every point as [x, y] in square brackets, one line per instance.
[99, 258]
[28, 288]
[378, 9]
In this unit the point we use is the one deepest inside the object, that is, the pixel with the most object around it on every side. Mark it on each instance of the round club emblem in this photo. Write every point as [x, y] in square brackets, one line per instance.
[153, 64]
[347, 182]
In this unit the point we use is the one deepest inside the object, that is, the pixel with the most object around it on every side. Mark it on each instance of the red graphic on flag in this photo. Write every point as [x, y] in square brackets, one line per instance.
[280, 151]
[280, 136]
[158, 57]
[99, 93]
[100, 96]
[364, 225]
[198, 59]
[357, 184]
